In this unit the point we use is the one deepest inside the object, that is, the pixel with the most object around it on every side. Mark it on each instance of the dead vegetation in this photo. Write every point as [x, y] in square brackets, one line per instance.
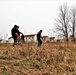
[28, 59]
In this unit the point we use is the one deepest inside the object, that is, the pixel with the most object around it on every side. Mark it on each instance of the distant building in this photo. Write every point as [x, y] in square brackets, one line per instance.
[44, 38]
[61, 40]
[10, 40]
[3, 41]
[52, 39]
[30, 38]
[27, 38]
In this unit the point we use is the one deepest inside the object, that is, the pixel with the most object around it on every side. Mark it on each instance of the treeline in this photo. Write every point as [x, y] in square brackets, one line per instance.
[65, 23]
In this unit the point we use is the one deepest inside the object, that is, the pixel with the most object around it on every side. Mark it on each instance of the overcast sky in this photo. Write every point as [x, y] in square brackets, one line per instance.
[30, 15]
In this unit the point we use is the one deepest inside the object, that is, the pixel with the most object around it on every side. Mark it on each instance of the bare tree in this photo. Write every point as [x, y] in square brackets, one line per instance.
[62, 22]
[73, 22]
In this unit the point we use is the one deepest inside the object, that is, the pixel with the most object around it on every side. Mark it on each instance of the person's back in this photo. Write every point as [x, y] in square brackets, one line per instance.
[39, 34]
[13, 31]
[39, 38]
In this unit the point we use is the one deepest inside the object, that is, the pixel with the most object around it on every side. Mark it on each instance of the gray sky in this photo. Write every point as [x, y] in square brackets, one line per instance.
[30, 15]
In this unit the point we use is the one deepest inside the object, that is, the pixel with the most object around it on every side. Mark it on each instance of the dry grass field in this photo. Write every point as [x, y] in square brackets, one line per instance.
[28, 59]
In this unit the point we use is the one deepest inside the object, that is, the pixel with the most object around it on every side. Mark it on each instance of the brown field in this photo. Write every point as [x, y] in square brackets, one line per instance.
[28, 59]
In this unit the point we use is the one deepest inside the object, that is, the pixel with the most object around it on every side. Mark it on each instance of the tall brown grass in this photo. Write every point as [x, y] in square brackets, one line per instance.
[28, 59]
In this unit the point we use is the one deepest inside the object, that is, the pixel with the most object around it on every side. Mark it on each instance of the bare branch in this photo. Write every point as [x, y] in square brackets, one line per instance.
[62, 22]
